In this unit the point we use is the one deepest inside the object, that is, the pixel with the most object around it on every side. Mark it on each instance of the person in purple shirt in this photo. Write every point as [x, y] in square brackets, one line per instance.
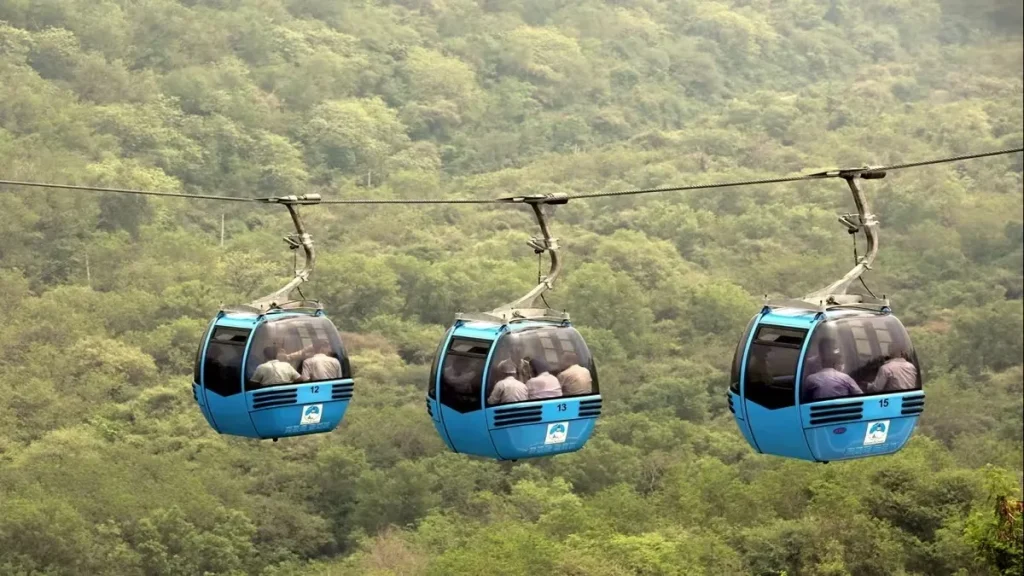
[830, 381]
[543, 384]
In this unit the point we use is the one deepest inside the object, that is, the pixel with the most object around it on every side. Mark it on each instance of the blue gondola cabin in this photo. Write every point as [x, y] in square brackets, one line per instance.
[826, 385]
[272, 375]
[512, 391]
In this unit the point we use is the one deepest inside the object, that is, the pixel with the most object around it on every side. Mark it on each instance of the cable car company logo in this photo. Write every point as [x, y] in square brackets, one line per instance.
[311, 414]
[877, 433]
[840, 430]
[557, 433]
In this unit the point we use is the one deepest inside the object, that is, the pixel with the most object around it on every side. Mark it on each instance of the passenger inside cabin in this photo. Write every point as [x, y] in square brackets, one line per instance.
[896, 374]
[277, 370]
[459, 374]
[575, 380]
[813, 362]
[543, 384]
[509, 389]
[831, 381]
[321, 366]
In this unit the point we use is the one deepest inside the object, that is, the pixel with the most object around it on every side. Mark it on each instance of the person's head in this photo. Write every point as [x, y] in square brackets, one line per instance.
[506, 368]
[324, 347]
[570, 359]
[270, 352]
[538, 366]
[831, 356]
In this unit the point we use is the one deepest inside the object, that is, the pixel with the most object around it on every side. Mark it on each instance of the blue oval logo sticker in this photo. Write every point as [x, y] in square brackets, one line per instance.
[839, 430]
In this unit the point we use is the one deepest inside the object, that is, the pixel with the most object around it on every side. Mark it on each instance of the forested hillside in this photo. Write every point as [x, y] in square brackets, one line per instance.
[108, 468]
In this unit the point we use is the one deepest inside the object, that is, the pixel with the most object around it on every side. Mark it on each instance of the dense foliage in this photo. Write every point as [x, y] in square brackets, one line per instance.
[106, 466]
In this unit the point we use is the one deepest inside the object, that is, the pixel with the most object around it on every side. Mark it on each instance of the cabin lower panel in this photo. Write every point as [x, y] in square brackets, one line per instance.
[851, 440]
[229, 414]
[467, 432]
[300, 419]
[735, 404]
[542, 439]
[298, 410]
[543, 427]
[858, 427]
[200, 397]
[434, 411]
[777, 432]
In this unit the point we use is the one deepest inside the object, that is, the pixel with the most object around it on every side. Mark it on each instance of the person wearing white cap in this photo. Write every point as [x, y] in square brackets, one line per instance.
[508, 389]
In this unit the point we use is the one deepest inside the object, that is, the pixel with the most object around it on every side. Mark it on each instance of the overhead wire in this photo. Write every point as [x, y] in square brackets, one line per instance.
[315, 199]
[639, 191]
[949, 159]
[816, 176]
[129, 191]
[415, 201]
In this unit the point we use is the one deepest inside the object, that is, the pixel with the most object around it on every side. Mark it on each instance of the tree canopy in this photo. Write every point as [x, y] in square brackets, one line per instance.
[107, 466]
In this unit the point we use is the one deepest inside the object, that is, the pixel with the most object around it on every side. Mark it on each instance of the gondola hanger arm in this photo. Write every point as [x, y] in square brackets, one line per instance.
[544, 243]
[865, 221]
[300, 239]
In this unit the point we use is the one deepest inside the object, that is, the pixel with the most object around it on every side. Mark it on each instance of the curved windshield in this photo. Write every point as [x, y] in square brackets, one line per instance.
[856, 356]
[539, 363]
[293, 350]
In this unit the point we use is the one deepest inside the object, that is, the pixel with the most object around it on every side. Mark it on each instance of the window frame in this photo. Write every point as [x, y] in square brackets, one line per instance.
[221, 386]
[458, 401]
[771, 396]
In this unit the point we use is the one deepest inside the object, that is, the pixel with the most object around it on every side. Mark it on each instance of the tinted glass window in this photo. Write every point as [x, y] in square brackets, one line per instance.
[295, 349]
[462, 373]
[737, 358]
[771, 366]
[539, 363]
[222, 371]
[869, 354]
[199, 352]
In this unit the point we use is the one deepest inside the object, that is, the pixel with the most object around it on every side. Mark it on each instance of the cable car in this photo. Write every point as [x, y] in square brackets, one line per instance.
[519, 381]
[274, 368]
[831, 376]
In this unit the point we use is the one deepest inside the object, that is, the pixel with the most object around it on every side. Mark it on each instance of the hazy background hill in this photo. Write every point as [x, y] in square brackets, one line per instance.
[106, 466]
